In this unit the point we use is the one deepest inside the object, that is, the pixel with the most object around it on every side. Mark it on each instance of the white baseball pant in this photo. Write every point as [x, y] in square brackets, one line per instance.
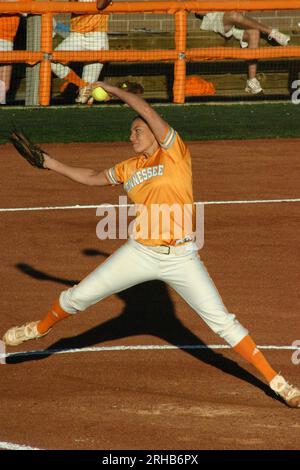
[6, 45]
[183, 270]
[94, 41]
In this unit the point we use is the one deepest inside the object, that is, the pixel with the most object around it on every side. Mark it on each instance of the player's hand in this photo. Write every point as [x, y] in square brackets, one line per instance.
[27, 149]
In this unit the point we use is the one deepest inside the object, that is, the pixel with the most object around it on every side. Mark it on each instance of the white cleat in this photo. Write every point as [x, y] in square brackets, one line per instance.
[253, 86]
[289, 393]
[18, 334]
[85, 95]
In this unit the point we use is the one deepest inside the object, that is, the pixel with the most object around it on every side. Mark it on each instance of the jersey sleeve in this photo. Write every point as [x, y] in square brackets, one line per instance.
[111, 176]
[174, 145]
[117, 174]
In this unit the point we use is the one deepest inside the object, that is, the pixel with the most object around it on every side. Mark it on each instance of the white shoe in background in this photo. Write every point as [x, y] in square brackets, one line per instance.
[253, 86]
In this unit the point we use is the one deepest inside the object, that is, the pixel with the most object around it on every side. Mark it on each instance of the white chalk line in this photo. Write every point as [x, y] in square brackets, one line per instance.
[140, 347]
[105, 206]
[11, 446]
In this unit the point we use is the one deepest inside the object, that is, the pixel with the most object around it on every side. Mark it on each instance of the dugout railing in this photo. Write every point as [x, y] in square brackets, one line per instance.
[179, 55]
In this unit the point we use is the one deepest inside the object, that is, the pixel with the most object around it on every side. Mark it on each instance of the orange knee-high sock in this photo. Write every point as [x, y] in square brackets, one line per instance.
[55, 314]
[72, 77]
[248, 350]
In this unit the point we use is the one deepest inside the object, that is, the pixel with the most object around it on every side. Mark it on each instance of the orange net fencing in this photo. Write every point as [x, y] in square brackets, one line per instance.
[45, 54]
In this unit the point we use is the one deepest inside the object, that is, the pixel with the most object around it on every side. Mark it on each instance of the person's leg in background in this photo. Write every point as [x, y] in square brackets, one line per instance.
[74, 42]
[5, 71]
[253, 86]
[8, 27]
[94, 41]
[234, 18]
[5, 79]
[250, 39]
[248, 31]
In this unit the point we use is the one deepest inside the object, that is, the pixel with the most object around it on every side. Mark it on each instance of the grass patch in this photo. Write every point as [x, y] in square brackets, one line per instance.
[194, 122]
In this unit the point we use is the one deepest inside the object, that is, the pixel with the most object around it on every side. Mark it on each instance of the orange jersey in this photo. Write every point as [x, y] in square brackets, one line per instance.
[160, 182]
[89, 23]
[8, 27]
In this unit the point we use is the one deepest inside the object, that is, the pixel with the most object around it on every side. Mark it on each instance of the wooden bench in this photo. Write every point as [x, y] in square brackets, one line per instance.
[228, 76]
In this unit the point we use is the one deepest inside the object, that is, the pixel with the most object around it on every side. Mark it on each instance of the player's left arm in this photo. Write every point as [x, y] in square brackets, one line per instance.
[85, 176]
[156, 123]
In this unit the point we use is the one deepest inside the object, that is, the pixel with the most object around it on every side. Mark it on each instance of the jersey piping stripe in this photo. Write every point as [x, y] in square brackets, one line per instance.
[171, 135]
[111, 176]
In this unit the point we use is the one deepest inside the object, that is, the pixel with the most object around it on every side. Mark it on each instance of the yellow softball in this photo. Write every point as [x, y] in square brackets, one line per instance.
[99, 94]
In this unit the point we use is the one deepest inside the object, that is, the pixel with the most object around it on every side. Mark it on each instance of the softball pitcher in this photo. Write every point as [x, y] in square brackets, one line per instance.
[159, 174]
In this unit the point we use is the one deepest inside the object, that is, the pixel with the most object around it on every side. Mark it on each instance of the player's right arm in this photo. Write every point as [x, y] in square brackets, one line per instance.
[85, 176]
[156, 123]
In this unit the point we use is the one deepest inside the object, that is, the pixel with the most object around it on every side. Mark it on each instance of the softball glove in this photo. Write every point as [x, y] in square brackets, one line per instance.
[132, 87]
[27, 149]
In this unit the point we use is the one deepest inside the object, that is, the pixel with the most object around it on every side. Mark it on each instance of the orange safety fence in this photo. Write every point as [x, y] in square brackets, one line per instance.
[160, 6]
[245, 54]
[180, 55]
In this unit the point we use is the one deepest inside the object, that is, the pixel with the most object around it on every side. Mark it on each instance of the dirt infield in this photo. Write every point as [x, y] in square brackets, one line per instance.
[153, 398]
